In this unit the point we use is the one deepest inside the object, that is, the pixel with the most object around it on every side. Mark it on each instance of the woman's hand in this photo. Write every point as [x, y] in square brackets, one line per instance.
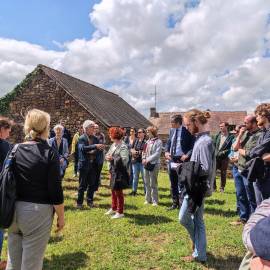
[60, 223]
[144, 162]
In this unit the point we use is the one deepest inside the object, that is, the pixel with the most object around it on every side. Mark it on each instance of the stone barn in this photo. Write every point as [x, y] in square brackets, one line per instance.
[67, 98]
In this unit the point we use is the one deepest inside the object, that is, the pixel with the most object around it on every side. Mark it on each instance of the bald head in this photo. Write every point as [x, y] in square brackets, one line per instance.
[250, 122]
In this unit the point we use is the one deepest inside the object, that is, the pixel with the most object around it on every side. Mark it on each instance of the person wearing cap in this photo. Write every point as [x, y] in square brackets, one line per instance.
[88, 147]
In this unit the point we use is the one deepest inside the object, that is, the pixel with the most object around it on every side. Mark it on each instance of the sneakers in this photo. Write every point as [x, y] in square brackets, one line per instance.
[238, 222]
[154, 204]
[221, 190]
[133, 193]
[146, 202]
[109, 212]
[117, 215]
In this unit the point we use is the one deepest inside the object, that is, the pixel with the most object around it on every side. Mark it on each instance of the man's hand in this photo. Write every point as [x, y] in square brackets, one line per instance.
[242, 152]
[100, 146]
[184, 158]
[242, 131]
[266, 157]
[168, 156]
[109, 157]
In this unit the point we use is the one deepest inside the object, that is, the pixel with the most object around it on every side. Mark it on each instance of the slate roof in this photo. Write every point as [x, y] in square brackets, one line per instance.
[232, 117]
[105, 106]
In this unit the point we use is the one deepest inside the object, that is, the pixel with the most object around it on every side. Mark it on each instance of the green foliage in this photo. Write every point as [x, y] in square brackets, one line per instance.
[146, 238]
[5, 101]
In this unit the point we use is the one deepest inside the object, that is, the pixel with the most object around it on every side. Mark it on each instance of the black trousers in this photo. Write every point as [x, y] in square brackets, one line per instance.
[175, 192]
[99, 169]
[88, 181]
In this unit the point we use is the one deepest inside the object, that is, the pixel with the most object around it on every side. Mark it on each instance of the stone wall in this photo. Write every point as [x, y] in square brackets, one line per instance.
[45, 94]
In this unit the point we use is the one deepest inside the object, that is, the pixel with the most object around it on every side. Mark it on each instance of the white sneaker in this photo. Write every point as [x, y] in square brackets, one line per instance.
[109, 212]
[146, 202]
[154, 204]
[117, 215]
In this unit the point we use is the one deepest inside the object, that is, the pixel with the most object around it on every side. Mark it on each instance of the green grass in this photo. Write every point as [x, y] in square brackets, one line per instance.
[147, 238]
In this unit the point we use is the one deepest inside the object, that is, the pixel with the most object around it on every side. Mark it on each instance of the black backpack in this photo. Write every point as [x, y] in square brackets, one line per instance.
[8, 190]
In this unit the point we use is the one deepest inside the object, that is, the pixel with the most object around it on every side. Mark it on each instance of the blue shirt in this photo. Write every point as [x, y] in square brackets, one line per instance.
[178, 151]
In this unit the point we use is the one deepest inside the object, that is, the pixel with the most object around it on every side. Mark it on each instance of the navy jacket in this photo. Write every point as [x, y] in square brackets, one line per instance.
[187, 141]
[87, 152]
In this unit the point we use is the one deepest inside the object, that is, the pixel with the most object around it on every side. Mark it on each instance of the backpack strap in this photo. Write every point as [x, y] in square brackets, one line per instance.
[14, 150]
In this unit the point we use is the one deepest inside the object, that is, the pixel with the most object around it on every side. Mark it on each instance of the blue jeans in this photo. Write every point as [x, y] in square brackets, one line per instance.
[194, 224]
[137, 168]
[262, 190]
[241, 195]
[251, 195]
[1, 241]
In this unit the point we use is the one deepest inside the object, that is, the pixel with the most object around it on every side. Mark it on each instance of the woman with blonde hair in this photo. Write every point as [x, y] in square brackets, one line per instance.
[203, 154]
[39, 195]
[151, 163]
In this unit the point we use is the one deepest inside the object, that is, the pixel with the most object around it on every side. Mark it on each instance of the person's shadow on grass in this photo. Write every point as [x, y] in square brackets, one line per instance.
[145, 220]
[67, 261]
[223, 263]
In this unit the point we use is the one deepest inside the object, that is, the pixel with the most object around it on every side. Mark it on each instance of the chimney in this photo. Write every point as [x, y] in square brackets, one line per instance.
[153, 112]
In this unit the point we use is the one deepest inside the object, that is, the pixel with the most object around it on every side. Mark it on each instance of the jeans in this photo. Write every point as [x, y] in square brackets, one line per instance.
[262, 190]
[251, 195]
[137, 168]
[194, 224]
[1, 241]
[241, 195]
[118, 201]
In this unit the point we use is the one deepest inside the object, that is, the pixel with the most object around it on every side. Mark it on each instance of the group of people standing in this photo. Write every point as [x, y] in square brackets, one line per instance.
[192, 156]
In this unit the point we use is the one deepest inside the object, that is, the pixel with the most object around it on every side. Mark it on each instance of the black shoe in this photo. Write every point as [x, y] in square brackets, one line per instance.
[90, 204]
[174, 206]
[132, 193]
[79, 206]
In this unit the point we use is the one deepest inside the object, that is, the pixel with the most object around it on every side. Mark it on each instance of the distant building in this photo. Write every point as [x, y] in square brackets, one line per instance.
[67, 98]
[163, 123]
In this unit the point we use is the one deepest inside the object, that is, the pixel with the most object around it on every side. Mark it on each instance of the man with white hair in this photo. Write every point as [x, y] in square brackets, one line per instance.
[88, 147]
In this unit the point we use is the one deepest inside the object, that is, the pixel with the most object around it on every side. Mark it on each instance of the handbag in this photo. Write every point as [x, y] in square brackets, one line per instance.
[149, 166]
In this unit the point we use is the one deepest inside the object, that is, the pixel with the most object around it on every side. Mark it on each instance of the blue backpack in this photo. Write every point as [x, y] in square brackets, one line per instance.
[8, 190]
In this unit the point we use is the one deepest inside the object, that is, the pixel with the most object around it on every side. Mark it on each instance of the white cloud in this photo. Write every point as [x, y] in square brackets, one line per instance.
[211, 58]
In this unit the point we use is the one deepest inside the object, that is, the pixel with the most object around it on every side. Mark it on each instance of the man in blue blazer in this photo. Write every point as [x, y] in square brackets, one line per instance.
[178, 149]
[88, 148]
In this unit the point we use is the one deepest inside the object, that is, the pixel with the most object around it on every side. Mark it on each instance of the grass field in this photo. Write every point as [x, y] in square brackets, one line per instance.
[147, 238]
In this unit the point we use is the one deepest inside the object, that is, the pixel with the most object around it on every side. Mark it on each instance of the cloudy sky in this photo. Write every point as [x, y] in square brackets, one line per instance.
[205, 54]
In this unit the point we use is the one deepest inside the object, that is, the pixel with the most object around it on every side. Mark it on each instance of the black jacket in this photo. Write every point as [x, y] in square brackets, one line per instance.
[187, 141]
[254, 170]
[194, 179]
[87, 152]
[119, 174]
[263, 147]
[223, 151]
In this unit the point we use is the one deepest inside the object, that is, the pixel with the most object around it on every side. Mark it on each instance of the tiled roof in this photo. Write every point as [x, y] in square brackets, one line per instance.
[106, 106]
[233, 118]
